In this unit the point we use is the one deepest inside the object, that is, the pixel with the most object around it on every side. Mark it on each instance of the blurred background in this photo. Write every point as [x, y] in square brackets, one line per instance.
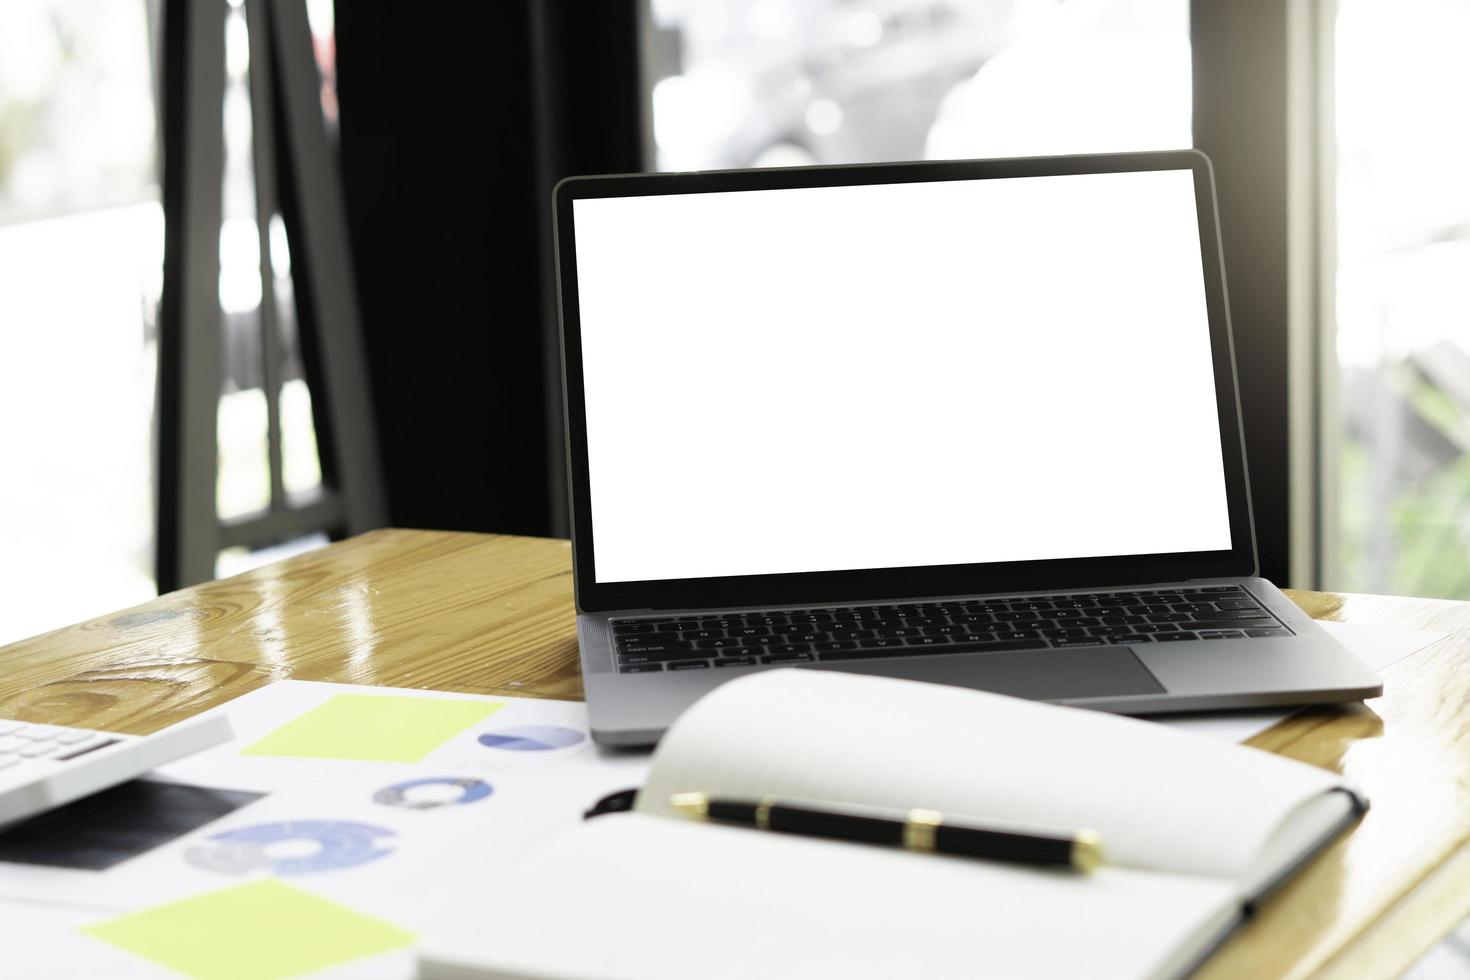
[1371, 483]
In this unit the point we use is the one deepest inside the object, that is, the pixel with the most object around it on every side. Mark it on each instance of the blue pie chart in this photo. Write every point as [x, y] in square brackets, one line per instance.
[292, 847]
[409, 796]
[532, 738]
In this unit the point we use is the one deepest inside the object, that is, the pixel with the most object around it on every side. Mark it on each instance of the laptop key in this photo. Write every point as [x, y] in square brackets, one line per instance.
[625, 629]
[1172, 637]
[688, 664]
[733, 661]
[660, 657]
[639, 668]
[946, 648]
[657, 646]
[1077, 641]
[837, 645]
[786, 658]
[1267, 631]
[1228, 624]
[1130, 638]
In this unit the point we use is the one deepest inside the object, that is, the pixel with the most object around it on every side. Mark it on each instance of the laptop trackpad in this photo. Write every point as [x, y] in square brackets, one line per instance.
[1041, 675]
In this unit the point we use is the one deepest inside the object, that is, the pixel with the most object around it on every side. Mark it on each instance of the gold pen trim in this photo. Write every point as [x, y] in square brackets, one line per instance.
[1087, 850]
[763, 812]
[693, 805]
[919, 829]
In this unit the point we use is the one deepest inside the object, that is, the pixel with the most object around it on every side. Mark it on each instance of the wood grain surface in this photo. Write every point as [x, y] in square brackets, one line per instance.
[493, 614]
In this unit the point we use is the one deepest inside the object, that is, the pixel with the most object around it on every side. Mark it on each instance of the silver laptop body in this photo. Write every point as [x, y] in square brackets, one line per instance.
[970, 422]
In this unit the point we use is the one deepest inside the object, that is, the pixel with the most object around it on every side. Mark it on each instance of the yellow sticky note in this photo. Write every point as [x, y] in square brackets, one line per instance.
[257, 931]
[374, 728]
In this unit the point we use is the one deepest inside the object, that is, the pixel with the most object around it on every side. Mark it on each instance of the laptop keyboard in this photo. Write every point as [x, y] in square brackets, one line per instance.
[1040, 622]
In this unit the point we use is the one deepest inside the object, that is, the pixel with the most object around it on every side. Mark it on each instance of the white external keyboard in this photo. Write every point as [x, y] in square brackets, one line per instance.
[45, 766]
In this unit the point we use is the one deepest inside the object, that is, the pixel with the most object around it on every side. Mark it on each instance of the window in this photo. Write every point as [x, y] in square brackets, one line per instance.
[1402, 470]
[739, 83]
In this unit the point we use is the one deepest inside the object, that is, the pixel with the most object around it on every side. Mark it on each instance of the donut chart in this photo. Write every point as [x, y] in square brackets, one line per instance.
[292, 847]
[433, 792]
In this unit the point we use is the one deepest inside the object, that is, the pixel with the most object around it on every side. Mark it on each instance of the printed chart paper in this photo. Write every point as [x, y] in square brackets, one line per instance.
[406, 845]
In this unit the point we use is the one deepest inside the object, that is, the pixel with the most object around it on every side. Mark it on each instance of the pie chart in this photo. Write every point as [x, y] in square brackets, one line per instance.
[434, 792]
[532, 738]
[292, 847]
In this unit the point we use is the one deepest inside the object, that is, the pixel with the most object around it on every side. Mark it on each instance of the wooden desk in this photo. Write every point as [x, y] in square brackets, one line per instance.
[493, 615]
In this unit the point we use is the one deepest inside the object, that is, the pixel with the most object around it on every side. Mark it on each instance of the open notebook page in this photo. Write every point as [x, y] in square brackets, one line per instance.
[1160, 799]
[633, 895]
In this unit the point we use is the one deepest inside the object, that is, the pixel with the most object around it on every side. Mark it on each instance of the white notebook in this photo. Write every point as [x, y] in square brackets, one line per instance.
[1194, 832]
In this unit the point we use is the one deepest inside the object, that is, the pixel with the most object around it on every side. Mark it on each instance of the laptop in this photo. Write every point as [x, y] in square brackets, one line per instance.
[971, 422]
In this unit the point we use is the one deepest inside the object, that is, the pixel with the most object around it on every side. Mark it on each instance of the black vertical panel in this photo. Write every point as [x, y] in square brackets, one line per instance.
[1240, 121]
[455, 122]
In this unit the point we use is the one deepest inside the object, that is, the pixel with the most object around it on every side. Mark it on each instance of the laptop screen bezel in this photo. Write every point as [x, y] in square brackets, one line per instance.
[886, 584]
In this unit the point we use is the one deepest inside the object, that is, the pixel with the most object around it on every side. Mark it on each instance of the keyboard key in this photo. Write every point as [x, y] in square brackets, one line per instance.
[625, 629]
[639, 668]
[1267, 632]
[1228, 624]
[837, 645]
[11, 743]
[74, 735]
[38, 732]
[9, 760]
[665, 646]
[37, 749]
[688, 664]
[786, 658]
[1172, 637]
[946, 648]
[723, 643]
[1077, 641]
[734, 661]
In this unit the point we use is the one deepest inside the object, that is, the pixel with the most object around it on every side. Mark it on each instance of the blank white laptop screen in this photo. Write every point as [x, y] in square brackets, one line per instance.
[894, 375]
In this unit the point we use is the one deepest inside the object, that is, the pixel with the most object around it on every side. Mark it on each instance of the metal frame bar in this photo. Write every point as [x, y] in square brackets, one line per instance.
[190, 355]
[1248, 113]
[284, 100]
[263, 158]
[325, 286]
